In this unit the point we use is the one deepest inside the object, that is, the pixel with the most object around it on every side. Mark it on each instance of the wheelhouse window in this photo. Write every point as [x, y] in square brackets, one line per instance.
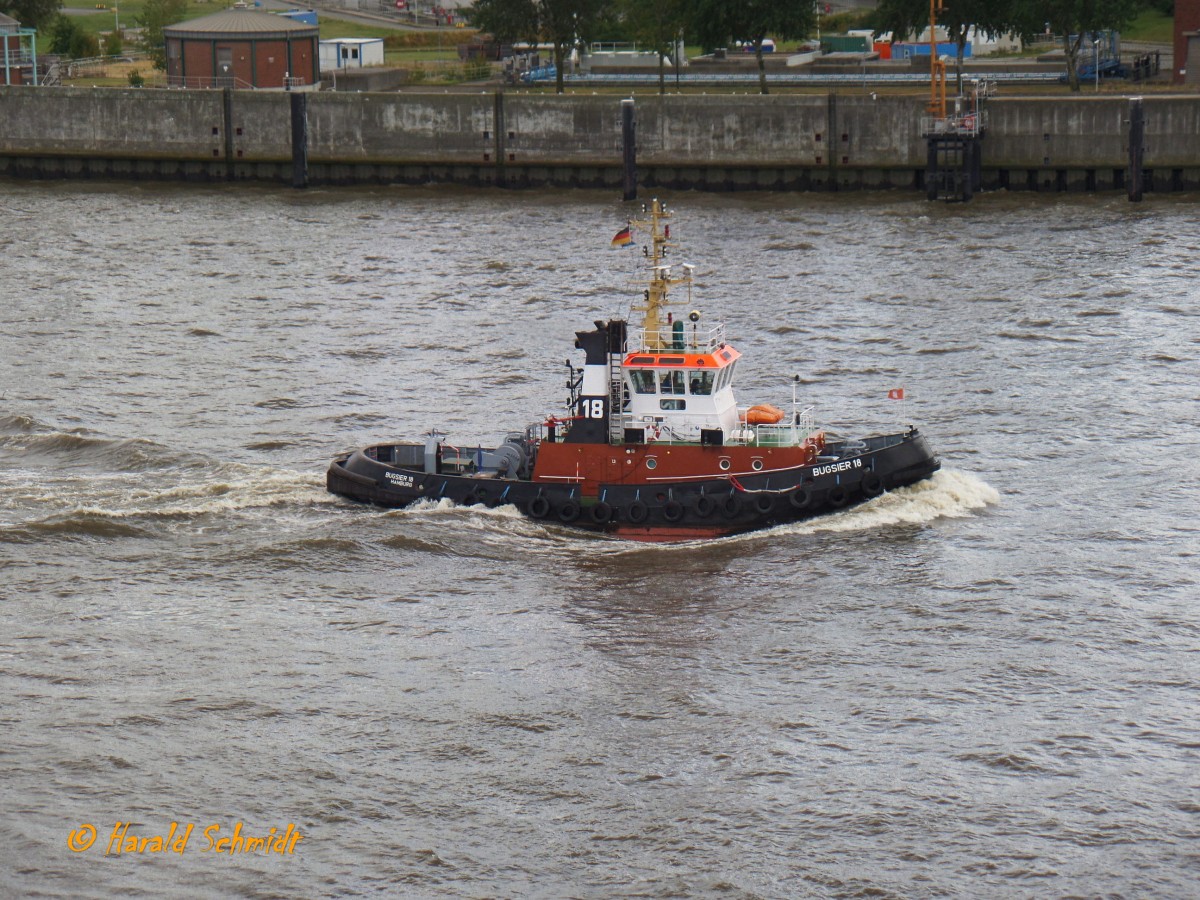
[702, 383]
[726, 376]
[672, 404]
[642, 380]
[672, 382]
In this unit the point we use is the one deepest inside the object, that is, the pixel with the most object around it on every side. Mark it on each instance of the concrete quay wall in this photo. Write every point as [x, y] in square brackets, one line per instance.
[707, 142]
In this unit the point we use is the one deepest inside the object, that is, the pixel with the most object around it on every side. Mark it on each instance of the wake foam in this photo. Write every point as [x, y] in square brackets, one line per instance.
[949, 494]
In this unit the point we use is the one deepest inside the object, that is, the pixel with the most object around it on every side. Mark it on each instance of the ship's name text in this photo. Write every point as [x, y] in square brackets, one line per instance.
[838, 467]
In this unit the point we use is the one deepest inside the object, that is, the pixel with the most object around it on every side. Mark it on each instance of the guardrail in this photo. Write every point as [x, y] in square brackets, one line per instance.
[882, 78]
[972, 124]
[201, 83]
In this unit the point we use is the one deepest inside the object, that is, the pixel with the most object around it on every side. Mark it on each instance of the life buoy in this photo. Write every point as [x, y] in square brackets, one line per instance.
[672, 510]
[569, 511]
[872, 484]
[800, 498]
[765, 504]
[838, 497]
[539, 507]
[479, 494]
[732, 506]
[601, 513]
[704, 506]
[637, 512]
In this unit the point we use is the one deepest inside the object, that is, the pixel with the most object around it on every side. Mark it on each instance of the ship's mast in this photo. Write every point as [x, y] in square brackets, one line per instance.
[653, 306]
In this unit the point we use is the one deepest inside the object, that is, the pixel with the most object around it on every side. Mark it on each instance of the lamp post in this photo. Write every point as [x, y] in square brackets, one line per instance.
[1096, 46]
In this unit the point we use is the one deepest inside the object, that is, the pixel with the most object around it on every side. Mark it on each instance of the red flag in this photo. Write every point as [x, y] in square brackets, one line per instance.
[896, 394]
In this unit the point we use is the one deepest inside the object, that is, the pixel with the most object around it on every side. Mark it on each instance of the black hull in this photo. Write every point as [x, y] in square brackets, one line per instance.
[677, 511]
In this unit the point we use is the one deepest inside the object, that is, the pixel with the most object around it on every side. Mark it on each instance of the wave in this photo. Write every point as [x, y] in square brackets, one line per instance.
[75, 525]
[110, 508]
[23, 437]
[19, 425]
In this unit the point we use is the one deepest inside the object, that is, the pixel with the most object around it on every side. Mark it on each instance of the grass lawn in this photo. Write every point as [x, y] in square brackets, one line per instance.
[128, 12]
[1151, 25]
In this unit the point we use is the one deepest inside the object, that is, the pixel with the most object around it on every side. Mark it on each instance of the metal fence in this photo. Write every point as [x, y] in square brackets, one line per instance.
[782, 78]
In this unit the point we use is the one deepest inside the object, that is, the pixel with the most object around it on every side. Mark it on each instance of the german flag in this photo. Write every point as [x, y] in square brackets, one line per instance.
[623, 238]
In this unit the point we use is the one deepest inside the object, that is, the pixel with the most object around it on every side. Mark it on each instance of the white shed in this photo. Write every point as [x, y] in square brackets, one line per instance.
[350, 53]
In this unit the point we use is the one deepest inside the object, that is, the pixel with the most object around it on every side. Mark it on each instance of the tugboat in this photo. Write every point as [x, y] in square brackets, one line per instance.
[653, 446]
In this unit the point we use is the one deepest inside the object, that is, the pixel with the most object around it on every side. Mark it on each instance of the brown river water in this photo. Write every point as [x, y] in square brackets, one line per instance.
[985, 685]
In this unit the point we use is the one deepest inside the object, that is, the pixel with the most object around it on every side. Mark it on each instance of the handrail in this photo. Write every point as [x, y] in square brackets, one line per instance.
[695, 339]
[205, 82]
[745, 435]
[796, 78]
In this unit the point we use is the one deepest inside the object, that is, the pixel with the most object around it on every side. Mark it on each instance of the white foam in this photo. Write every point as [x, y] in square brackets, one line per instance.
[949, 494]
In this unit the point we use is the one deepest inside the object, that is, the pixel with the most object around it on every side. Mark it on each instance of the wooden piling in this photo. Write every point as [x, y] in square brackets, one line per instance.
[299, 139]
[628, 132]
[1137, 131]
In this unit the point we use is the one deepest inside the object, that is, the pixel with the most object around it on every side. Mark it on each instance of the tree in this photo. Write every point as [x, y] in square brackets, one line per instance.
[69, 40]
[561, 23]
[719, 23]
[36, 14]
[506, 20]
[1073, 19]
[993, 17]
[113, 45]
[157, 15]
[658, 25]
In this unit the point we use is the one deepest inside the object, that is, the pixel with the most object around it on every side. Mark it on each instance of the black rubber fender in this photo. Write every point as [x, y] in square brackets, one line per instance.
[539, 507]
[600, 513]
[765, 504]
[569, 511]
[872, 484]
[636, 512]
[800, 498]
[672, 510]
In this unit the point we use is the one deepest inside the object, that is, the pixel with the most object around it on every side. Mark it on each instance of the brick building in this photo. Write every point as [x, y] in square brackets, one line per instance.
[242, 48]
[1187, 43]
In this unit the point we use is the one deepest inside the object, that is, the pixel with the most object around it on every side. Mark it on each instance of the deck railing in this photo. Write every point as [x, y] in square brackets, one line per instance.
[693, 338]
[785, 434]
